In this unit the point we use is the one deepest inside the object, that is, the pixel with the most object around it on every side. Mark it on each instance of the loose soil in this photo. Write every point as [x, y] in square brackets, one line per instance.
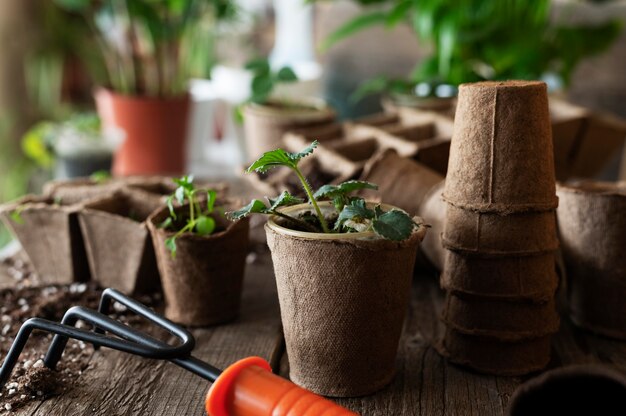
[31, 380]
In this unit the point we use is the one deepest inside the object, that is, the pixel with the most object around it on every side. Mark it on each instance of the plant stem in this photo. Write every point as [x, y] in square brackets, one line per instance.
[309, 192]
[296, 221]
[191, 206]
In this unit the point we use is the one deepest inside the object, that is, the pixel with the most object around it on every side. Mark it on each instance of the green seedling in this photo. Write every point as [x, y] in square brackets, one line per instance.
[198, 221]
[16, 215]
[352, 213]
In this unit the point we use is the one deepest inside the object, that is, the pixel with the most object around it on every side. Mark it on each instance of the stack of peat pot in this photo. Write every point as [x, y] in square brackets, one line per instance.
[500, 230]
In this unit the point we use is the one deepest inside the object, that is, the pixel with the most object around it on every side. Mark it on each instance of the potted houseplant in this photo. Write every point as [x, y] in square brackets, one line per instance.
[76, 147]
[200, 255]
[267, 118]
[147, 51]
[477, 41]
[343, 270]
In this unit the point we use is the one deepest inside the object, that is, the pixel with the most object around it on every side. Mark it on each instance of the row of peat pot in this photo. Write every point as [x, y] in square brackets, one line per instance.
[343, 297]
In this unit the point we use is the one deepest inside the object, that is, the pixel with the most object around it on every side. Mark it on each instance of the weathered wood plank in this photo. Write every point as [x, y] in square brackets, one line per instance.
[120, 384]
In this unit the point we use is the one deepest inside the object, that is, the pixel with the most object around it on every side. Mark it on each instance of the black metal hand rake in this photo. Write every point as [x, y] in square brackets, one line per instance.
[247, 387]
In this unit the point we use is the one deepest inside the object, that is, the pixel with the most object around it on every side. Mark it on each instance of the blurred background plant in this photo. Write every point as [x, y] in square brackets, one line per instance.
[473, 40]
[151, 47]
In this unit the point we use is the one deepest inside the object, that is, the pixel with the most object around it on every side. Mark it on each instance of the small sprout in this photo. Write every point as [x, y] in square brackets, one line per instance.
[198, 221]
[16, 215]
[352, 213]
[100, 176]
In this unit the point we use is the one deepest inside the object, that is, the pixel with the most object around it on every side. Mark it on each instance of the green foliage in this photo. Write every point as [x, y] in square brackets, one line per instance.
[264, 80]
[198, 221]
[352, 213]
[474, 40]
[39, 141]
[100, 176]
[280, 157]
[161, 40]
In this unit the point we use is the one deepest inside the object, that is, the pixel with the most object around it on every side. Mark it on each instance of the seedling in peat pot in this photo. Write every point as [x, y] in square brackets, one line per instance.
[352, 213]
[197, 221]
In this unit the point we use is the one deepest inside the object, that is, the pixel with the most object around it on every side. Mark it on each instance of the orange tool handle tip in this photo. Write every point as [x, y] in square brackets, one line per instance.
[249, 388]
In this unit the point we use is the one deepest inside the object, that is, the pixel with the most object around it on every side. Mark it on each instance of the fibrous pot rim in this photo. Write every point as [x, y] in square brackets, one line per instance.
[327, 206]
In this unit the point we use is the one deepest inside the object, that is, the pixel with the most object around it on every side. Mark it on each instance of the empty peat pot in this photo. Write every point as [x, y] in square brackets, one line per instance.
[591, 225]
[575, 390]
[203, 282]
[118, 242]
[343, 298]
[49, 233]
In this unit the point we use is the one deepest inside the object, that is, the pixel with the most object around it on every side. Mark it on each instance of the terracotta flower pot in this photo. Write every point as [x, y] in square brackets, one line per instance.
[265, 125]
[343, 298]
[202, 284]
[118, 242]
[50, 235]
[574, 390]
[155, 132]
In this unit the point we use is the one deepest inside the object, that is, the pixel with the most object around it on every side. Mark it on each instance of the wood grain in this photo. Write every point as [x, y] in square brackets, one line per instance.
[119, 384]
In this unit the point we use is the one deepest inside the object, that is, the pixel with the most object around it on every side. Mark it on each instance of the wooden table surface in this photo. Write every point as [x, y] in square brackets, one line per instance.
[120, 384]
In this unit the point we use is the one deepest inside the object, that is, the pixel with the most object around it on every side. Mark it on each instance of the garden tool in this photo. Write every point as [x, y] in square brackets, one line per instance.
[246, 388]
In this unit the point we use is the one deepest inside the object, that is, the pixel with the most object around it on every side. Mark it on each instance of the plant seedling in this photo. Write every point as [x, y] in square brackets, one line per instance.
[197, 221]
[264, 80]
[352, 213]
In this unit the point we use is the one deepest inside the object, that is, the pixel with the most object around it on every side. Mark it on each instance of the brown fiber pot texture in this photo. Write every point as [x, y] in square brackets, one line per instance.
[73, 191]
[592, 226]
[573, 390]
[202, 284]
[501, 319]
[155, 131]
[493, 356]
[501, 158]
[514, 278]
[343, 302]
[50, 235]
[491, 233]
[401, 181]
[118, 243]
[265, 125]
[433, 211]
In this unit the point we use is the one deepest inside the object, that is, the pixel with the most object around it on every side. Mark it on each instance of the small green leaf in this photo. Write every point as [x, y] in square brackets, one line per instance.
[170, 205]
[269, 160]
[399, 13]
[170, 243]
[185, 182]
[286, 74]
[205, 225]
[100, 176]
[344, 188]
[304, 153]
[258, 66]
[180, 195]
[210, 202]
[283, 200]
[394, 225]
[356, 210]
[16, 216]
[262, 86]
[167, 223]
[254, 207]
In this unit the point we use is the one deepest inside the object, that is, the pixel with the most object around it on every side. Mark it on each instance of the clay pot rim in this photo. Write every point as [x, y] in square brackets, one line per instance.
[326, 206]
[594, 188]
[154, 228]
[181, 97]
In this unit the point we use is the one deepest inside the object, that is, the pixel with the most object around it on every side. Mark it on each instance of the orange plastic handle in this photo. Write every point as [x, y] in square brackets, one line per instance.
[249, 388]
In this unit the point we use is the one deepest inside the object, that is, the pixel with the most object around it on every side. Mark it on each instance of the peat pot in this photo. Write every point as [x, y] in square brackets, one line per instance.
[343, 298]
[265, 124]
[202, 283]
[574, 390]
